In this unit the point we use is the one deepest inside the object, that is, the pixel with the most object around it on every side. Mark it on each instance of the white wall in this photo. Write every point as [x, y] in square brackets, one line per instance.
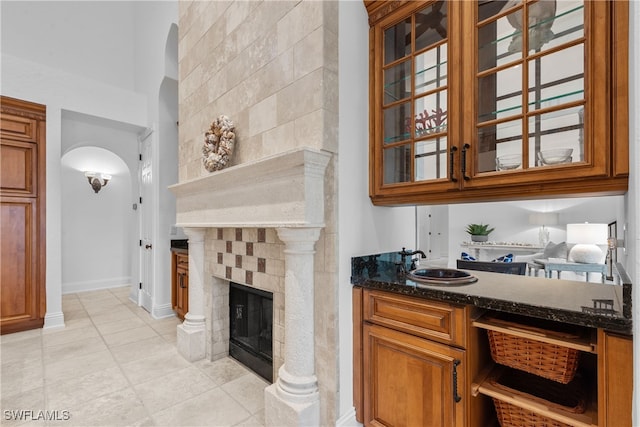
[96, 228]
[87, 38]
[90, 143]
[156, 74]
[94, 74]
[363, 228]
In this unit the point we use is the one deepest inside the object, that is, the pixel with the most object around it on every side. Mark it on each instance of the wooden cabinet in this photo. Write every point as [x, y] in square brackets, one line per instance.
[428, 363]
[22, 212]
[411, 381]
[466, 106]
[410, 360]
[615, 380]
[180, 282]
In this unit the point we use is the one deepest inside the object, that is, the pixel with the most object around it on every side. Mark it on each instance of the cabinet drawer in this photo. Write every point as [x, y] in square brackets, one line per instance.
[182, 261]
[430, 319]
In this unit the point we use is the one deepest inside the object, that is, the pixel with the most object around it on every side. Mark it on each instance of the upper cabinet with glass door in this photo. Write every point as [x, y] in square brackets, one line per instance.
[493, 100]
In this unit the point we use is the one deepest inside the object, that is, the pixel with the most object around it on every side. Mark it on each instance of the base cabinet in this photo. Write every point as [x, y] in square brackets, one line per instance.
[180, 282]
[419, 362]
[615, 380]
[411, 381]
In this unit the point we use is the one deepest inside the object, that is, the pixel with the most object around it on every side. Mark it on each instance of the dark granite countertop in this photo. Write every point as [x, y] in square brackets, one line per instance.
[180, 245]
[553, 299]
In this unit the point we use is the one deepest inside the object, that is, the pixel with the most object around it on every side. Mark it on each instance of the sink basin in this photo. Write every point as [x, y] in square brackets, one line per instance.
[442, 276]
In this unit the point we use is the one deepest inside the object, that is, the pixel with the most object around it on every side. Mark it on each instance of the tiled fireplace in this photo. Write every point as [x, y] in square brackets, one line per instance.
[258, 224]
[252, 257]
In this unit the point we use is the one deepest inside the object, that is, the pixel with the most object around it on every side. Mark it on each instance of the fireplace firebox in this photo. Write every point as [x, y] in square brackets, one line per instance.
[251, 322]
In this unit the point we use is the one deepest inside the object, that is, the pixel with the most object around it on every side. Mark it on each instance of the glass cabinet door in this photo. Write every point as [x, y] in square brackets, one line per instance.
[414, 100]
[496, 99]
[530, 83]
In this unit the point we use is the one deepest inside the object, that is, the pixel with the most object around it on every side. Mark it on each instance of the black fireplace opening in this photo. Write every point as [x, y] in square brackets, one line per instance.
[251, 316]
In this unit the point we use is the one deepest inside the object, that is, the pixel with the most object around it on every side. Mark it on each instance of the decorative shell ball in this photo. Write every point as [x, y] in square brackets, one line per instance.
[218, 144]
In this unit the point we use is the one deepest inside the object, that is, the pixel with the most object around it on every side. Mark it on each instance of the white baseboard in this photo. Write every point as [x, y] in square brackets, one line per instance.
[54, 320]
[133, 297]
[162, 311]
[94, 285]
[348, 419]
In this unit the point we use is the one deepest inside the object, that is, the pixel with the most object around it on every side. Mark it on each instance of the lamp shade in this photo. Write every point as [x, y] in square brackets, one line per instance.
[586, 233]
[543, 218]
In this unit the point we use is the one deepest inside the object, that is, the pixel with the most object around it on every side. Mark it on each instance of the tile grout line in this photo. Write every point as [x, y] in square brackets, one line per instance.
[131, 386]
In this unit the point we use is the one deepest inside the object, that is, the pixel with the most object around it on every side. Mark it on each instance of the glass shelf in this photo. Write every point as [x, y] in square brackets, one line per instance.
[402, 80]
[556, 16]
[565, 96]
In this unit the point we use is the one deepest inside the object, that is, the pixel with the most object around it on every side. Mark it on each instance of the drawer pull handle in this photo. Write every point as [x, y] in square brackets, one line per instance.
[456, 396]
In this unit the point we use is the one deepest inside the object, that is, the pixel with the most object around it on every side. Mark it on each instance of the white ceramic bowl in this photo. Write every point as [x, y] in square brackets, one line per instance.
[555, 156]
[508, 162]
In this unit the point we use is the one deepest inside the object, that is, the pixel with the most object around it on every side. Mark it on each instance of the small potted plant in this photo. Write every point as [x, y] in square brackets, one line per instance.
[479, 232]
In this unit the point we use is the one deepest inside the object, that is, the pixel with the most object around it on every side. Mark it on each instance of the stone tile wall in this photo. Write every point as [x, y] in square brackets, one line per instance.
[272, 67]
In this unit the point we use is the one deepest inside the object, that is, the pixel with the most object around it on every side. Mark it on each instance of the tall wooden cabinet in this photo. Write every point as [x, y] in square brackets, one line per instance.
[497, 100]
[22, 212]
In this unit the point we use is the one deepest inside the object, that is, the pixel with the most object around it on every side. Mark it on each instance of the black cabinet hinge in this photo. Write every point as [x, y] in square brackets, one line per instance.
[140, 157]
[140, 242]
[140, 285]
[140, 200]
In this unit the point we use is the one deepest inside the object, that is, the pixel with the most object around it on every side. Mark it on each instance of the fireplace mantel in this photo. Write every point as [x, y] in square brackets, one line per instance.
[284, 190]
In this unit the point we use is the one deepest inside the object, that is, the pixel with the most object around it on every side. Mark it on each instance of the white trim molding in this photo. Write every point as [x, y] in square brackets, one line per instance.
[284, 190]
[54, 320]
[94, 285]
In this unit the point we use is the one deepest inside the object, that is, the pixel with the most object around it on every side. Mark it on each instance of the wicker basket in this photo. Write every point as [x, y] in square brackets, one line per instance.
[569, 398]
[555, 362]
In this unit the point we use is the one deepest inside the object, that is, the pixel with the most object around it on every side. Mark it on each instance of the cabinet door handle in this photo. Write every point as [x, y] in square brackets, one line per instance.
[465, 147]
[147, 246]
[456, 396]
[452, 153]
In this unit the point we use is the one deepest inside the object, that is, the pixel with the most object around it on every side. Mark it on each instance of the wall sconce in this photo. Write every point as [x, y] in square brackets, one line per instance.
[97, 180]
[543, 219]
[586, 236]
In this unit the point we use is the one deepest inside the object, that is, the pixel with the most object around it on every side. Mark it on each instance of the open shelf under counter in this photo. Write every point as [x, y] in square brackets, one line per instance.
[571, 336]
[523, 403]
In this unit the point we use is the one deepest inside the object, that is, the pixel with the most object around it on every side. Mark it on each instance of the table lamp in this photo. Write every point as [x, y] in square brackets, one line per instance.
[585, 237]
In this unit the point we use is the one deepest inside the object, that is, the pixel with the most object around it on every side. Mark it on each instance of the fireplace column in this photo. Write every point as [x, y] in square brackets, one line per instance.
[294, 399]
[191, 333]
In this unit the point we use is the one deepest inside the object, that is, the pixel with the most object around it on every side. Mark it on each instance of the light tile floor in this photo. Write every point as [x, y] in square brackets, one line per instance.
[114, 365]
